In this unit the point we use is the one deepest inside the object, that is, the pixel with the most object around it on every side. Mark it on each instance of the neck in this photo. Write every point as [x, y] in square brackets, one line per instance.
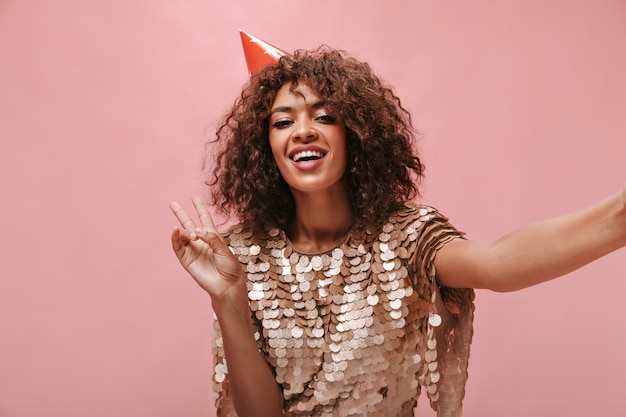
[321, 221]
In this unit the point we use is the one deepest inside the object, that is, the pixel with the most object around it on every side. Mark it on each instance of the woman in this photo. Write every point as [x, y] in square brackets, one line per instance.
[336, 295]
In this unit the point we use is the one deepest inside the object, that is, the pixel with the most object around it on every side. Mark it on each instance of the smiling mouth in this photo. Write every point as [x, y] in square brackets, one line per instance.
[307, 156]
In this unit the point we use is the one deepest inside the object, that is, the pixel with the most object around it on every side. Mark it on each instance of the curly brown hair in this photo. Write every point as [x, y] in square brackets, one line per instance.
[383, 168]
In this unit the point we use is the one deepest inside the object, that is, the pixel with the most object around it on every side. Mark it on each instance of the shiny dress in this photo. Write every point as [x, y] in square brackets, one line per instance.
[361, 329]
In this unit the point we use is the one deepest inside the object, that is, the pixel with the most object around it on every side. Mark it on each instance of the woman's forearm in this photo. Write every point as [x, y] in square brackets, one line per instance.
[538, 252]
[253, 388]
[552, 248]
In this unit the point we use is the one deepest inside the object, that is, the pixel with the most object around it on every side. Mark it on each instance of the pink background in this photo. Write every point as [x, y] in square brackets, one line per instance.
[104, 109]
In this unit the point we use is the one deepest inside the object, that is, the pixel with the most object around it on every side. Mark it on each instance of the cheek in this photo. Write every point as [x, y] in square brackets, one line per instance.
[277, 157]
[274, 147]
[342, 145]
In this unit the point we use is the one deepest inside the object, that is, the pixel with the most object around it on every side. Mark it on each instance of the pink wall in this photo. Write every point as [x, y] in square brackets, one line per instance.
[104, 108]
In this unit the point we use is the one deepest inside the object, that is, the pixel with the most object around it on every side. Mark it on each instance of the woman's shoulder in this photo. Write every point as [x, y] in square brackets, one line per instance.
[413, 211]
[422, 224]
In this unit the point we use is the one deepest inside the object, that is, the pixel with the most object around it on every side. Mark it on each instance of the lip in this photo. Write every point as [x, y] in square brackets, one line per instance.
[307, 165]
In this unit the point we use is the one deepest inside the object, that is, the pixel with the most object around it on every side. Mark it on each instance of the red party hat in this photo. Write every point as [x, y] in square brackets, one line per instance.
[259, 53]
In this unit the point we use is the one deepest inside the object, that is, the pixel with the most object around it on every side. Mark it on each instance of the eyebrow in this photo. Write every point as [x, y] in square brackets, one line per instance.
[289, 109]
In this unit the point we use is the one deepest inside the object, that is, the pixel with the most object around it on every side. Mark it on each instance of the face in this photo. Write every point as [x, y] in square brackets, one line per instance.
[308, 142]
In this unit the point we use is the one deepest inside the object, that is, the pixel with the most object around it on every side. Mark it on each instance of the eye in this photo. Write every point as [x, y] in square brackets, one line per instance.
[282, 123]
[325, 118]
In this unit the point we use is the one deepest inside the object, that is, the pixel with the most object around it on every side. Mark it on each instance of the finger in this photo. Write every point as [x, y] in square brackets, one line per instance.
[177, 244]
[203, 213]
[182, 237]
[182, 216]
[215, 242]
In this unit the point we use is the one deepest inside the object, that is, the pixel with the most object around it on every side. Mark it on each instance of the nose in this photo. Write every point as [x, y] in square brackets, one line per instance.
[304, 130]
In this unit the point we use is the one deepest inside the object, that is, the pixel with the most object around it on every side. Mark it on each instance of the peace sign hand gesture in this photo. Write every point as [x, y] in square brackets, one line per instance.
[204, 255]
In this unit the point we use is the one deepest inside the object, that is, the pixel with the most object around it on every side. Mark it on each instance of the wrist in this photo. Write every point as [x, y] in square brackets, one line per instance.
[232, 304]
[616, 221]
[621, 216]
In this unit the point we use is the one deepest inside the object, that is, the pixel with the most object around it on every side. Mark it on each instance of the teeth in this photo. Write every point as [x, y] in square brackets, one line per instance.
[308, 155]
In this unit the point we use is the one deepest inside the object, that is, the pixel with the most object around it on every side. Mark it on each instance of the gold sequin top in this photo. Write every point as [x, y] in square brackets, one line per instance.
[358, 330]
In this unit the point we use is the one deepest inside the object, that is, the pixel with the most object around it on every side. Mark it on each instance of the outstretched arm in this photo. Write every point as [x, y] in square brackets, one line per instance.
[536, 253]
[208, 260]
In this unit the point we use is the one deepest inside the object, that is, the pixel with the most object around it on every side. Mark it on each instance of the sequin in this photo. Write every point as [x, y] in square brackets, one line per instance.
[434, 320]
[346, 331]
[389, 266]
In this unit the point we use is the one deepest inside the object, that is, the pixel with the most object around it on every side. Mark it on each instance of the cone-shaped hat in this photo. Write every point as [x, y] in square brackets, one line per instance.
[259, 53]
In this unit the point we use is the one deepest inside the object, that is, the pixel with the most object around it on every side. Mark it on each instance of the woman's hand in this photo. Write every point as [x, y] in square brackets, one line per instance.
[210, 262]
[203, 254]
